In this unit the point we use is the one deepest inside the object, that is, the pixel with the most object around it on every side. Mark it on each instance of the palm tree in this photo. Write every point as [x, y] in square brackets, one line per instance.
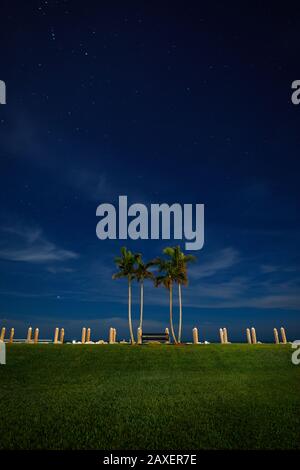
[126, 264]
[167, 279]
[141, 273]
[179, 261]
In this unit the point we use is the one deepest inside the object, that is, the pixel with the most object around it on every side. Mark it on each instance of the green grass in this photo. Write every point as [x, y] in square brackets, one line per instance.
[150, 397]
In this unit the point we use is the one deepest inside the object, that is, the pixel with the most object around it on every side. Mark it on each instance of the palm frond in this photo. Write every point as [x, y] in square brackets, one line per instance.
[169, 251]
[118, 275]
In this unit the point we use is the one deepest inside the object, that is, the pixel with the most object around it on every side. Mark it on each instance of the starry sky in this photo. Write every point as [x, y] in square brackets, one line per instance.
[187, 103]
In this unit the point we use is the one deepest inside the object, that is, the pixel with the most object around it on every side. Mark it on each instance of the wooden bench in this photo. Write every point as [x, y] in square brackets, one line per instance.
[155, 337]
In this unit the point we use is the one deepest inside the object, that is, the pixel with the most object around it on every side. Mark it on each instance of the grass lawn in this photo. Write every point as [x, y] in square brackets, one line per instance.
[149, 397]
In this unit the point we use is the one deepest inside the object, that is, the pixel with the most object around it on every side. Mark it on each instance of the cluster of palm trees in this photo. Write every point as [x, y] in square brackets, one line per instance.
[170, 270]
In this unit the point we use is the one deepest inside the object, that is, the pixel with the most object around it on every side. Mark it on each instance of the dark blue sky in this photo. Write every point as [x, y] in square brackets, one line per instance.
[164, 104]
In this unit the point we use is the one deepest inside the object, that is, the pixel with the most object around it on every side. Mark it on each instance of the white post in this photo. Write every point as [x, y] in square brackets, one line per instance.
[83, 335]
[276, 337]
[36, 335]
[62, 335]
[195, 336]
[88, 335]
[139, 335]
[253, 333]
[283, 335]
[29, 333]
[56, 335]
[111, 336]
[12, 334]
[248, 336]
[221, 335]
[2, 353]
[2, 336]
[225, 336]
[168, 334]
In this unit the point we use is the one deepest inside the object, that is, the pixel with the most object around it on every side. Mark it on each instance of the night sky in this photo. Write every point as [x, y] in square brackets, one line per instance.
[178, 102]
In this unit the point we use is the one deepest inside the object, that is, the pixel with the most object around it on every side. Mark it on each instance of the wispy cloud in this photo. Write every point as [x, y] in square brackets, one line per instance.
[26, 140]
[222, 260]
[249, 291]
[268, 268]
[226, 279]
[93, 185]
[28, 244]
[57, 270]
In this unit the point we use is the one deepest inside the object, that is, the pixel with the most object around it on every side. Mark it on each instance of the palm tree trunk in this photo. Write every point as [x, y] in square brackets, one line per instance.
[141, 304]
[171, 314]
[180, 313]
[129, 312]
